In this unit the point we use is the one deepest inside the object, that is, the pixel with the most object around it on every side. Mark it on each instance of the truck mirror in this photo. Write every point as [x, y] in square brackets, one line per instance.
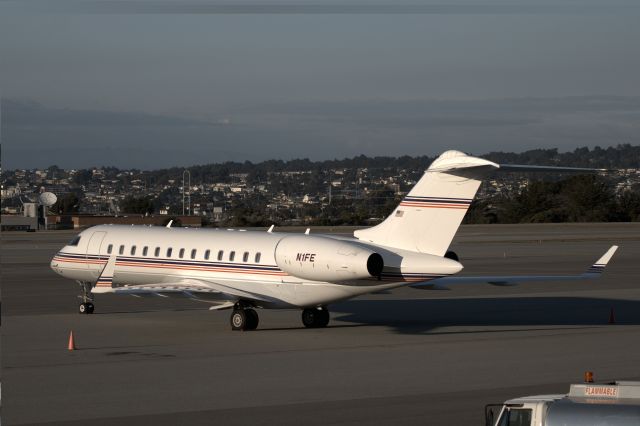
[491, 412]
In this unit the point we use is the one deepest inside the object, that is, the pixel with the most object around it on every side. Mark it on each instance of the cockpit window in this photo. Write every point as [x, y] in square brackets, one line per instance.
[75, 241]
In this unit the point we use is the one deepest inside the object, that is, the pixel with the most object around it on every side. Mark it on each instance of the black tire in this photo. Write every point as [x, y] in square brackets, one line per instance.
[90, 307]
[252, 319]
[238, 320]
[309, 317]
[82, 309]
[323, 318]
[315, 318]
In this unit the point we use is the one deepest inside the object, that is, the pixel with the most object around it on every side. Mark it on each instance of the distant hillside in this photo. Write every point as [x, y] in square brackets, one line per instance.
[621, 156]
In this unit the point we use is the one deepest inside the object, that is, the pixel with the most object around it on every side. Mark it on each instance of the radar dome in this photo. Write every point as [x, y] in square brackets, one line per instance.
[47, 199]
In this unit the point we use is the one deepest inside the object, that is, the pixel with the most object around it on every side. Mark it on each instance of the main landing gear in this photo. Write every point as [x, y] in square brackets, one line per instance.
[244, 318]
[315, 317]
[86, 307]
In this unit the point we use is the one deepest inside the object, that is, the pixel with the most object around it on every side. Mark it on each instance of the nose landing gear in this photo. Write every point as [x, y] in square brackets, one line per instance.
[86, 307]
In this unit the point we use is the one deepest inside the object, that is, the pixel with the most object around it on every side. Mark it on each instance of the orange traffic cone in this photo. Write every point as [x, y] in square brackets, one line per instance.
[612, 317]
[72, 343]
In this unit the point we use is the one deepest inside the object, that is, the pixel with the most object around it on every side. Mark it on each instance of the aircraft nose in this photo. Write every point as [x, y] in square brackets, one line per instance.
[55, 264]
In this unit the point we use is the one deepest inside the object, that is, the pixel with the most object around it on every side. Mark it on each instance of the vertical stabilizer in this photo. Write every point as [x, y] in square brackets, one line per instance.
[427, 219]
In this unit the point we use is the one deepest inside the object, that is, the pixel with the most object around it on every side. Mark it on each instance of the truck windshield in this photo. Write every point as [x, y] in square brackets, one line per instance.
[515, 417]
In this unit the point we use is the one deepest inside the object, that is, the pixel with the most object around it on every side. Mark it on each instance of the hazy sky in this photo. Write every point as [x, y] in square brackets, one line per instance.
[157, 83]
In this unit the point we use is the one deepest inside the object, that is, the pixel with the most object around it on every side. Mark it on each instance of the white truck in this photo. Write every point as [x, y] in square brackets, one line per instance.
[586, 404]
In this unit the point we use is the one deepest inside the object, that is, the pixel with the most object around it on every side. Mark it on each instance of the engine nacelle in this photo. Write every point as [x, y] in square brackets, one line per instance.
[319, 258]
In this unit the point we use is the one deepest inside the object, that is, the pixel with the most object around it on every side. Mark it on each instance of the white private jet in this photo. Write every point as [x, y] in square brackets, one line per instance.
[270, 270]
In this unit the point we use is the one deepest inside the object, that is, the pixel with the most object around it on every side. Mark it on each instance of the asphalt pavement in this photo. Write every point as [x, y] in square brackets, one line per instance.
[406, 357]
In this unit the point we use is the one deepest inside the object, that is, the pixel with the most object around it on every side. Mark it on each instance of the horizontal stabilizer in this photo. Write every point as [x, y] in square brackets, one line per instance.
[527, 168]
[594, 271]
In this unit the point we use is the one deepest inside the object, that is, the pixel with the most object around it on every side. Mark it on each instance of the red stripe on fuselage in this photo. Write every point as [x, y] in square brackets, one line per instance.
[199, 268]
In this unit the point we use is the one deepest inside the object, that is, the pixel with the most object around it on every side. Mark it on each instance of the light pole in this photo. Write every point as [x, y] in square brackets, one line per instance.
[186, 195]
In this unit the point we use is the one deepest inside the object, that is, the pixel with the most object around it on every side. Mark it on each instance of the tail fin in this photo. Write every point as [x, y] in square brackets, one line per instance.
[429, 216]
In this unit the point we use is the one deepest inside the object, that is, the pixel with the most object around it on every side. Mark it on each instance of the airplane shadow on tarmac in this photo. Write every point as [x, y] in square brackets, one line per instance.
[427, 315]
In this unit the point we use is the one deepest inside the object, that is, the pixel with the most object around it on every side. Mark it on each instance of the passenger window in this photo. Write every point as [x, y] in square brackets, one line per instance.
[133, 250]
[257, 257]
[232, 255]
[206, 254]
[145, 250]
[169, 251]
[121, 250]
[109, 248]
[245, 257]
[220, 254]
[157, 252]
[74, 241]
[181, 253]
[193, 253]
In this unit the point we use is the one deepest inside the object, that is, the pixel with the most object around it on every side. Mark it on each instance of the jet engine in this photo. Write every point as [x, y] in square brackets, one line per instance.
[452, 255]
[320, 258]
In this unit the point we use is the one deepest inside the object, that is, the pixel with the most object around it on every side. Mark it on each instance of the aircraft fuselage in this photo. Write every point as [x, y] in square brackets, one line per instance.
[272, 266]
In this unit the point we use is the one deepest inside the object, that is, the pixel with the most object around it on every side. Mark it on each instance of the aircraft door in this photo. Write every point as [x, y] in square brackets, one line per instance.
[94, 253]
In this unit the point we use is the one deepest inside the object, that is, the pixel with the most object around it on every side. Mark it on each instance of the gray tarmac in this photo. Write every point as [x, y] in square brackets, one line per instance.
[407, 357]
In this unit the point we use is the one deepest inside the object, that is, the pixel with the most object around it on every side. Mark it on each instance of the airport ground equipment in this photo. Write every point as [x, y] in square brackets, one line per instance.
[586, 404]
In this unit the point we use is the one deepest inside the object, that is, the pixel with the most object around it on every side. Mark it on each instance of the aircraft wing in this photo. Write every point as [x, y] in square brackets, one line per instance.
[202, 290]
[594, 271]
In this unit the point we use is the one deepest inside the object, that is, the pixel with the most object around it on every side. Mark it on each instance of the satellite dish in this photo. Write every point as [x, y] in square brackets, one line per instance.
[47, 199]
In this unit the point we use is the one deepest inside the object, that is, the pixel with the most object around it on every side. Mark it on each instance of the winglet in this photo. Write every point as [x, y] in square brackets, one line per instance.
[104, 284]
[307, 231]
[598, 267]
[270, 230]
[169, 224]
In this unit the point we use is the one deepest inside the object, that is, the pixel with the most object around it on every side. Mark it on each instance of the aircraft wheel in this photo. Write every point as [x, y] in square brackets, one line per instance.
[82, 308]
[252, 319]
[315, 318]
[323, 318]
[90, 307]
[239, 319]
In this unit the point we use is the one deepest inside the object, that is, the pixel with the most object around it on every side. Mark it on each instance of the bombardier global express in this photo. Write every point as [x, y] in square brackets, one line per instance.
[245, 270]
